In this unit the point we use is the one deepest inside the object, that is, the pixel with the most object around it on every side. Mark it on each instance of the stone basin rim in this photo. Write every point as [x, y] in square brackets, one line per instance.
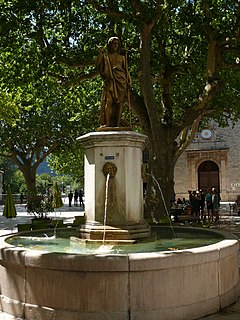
[213, 269]
[225, 239]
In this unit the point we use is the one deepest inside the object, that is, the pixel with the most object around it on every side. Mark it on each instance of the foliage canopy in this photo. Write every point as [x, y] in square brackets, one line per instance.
[183, 58]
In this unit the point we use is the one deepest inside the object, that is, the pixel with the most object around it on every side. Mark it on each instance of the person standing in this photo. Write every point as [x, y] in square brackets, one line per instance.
[76, 198]
[81, 199]
[190, 197]
[202, 205]
[21, 198]
[70, 197]
[215, 201]
[196, 202]
[209, 205]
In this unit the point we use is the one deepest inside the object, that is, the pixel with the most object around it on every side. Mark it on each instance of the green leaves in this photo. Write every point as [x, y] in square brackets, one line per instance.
[9, 105]
[49, 91]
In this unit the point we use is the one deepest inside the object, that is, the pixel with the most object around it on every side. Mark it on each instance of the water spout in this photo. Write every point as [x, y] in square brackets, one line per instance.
[105, 208]
[55, 229]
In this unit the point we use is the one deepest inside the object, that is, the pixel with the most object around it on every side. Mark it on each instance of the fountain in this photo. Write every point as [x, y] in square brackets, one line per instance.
[103, 285]
[170, 284]
[116, 157]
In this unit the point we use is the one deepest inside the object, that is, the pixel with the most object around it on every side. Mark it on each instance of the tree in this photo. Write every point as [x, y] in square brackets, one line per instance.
[39, 131]
[49, 115]
[183, 56]
[188, 56]
[12, 176]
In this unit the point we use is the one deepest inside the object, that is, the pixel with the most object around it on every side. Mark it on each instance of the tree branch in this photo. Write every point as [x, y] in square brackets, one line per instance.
[76, 64]
[200, 108]
[158, 11]
[137, 7]
[138, 106]
[108, 10]
[145, 77]
[75, 81]
[45, 154]
[186, 137]
[39, 35]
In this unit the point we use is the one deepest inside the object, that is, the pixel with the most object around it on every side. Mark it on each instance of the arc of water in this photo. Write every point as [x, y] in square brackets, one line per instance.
[55, 229]
[54, 232]
[164, 202]
[163, 199]
[105, 208]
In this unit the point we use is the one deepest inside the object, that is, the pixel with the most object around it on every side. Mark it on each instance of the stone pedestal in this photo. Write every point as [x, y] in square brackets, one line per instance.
[113, 162]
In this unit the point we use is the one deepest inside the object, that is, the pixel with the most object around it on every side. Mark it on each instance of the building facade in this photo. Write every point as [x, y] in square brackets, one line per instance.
[212, 160]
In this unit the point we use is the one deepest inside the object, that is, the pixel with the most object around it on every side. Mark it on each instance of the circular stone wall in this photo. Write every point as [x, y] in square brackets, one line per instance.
[176, 285]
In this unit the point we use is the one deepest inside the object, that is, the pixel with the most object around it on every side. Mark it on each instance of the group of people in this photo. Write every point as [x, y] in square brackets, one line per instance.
[77, 196]
[203, 205]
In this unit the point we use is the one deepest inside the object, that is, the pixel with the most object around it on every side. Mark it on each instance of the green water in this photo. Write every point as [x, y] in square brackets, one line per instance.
[61, 243]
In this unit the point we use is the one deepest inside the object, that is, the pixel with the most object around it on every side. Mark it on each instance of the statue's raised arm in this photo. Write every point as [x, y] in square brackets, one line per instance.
[113, 69]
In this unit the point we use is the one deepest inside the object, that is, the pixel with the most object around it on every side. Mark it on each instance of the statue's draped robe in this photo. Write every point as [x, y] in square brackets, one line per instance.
[113, 70]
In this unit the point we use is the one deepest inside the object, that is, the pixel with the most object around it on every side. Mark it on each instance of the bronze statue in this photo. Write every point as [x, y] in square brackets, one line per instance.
[113, 69]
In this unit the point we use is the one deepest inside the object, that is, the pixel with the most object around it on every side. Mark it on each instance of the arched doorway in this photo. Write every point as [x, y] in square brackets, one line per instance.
[208, 176]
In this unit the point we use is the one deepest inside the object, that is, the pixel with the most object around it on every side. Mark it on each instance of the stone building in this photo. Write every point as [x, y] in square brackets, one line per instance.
[212, 160]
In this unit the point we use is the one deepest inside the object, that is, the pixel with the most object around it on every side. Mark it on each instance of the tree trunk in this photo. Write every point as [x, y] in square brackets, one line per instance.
[33, 201]
[160, 190]
[30, 179]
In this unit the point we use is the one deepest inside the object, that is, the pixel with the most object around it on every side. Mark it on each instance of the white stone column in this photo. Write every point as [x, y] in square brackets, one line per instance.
[123, 149]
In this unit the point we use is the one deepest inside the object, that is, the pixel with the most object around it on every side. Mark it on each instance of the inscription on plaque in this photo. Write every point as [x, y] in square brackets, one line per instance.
[109, 157]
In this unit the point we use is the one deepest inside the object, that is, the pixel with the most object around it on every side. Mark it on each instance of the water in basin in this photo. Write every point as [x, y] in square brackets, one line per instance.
[161, 240]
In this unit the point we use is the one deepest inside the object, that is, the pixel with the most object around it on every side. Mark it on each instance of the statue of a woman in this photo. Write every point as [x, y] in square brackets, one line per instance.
[113, 69]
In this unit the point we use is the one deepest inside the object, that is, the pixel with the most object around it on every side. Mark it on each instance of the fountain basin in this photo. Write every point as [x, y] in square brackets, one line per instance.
[176, 285]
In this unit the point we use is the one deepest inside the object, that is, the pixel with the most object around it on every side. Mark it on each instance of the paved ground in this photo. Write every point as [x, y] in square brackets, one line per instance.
[10, 225]
[227, 222]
